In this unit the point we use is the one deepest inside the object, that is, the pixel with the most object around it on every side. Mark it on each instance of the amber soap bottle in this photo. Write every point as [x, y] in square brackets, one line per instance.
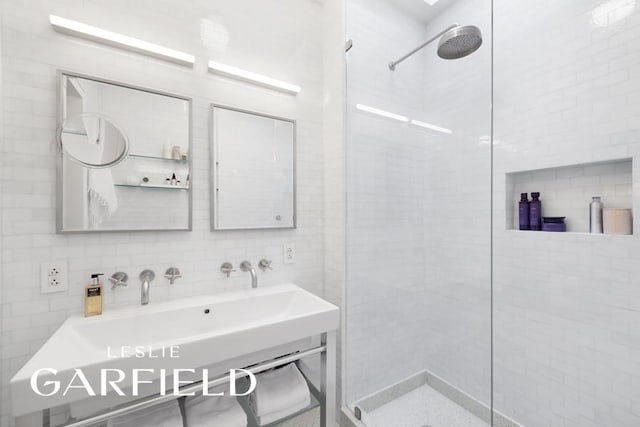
[93, 297]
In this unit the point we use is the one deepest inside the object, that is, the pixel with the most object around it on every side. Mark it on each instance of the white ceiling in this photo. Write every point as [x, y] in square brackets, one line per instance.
[422, 9]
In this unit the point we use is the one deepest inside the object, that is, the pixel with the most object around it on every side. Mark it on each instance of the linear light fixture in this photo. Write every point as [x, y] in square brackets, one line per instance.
[381, 113]
[431, 2]
[89, 32]
[430, 126]
[240, 74]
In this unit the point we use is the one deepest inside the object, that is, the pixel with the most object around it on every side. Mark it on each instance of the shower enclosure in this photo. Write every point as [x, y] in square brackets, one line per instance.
[454, 316]
[418, 299]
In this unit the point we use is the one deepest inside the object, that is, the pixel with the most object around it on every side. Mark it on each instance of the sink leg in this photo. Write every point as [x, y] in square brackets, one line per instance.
[328, 380]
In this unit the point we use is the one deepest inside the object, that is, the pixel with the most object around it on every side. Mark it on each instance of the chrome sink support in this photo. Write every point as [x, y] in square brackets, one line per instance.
[247, 267]
[146, 277]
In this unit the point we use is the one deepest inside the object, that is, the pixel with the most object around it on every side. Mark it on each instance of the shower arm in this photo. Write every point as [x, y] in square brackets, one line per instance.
[392, 64]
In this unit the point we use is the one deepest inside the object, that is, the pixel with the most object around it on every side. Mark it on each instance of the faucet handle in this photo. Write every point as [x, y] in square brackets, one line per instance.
[118, 279]
[227, 268]
[172, 274]
[265, 264]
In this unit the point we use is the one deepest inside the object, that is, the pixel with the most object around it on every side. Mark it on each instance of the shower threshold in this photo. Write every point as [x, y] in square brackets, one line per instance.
[424, 400]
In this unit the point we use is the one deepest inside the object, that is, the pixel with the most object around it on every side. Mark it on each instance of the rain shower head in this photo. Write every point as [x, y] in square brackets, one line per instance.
[459, 42]
[456, 42]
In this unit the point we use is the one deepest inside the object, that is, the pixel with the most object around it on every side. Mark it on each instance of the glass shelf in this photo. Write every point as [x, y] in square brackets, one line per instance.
[161, 186]
[140, 156]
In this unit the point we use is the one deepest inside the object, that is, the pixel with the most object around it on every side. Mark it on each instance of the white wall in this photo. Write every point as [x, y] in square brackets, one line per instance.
[567, 306]
[285, 42]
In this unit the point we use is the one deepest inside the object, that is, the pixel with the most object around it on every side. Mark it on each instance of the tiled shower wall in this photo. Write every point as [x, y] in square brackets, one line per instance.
[567, 306]
[385, 181]
[418, 234]
[458, 219]
[285, 43]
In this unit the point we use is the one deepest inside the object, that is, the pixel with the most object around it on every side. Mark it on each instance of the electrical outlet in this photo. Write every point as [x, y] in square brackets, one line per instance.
[289, 253]
[53, 277]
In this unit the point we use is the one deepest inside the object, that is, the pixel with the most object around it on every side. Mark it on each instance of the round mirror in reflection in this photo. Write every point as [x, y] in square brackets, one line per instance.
[93, 140]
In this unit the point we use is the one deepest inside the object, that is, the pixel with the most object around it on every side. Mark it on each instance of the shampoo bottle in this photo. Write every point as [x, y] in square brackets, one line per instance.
[524, 211]
[595, 215]
[93, 297]
[535, 212]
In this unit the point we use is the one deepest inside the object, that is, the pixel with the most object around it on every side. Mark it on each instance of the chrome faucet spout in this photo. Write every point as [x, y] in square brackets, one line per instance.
[247, 267]
[145, 277]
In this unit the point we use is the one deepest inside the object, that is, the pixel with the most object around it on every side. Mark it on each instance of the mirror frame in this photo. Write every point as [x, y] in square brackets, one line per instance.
[212, 172]
[61, 75]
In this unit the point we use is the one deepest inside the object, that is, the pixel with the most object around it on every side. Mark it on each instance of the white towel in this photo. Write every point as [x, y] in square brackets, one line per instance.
[166, 415]
[275, 416]
[206, 411]
[279, 390]
[103, 201]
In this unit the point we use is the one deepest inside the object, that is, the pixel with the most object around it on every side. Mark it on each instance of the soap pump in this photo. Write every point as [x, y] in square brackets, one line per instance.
[93, 297]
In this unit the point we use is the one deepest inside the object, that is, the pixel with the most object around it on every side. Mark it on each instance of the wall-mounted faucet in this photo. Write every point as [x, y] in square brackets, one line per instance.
[172, 274]
[118, 279]
[246, 266]
[146, 277]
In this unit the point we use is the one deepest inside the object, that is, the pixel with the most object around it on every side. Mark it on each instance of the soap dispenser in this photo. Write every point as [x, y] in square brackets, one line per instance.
[93, 297]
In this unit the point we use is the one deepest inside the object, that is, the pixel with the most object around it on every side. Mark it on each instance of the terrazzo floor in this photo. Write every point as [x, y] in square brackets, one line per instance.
[422, 407]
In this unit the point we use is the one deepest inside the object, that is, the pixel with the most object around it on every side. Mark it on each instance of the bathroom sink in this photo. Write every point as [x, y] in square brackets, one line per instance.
[202, 331]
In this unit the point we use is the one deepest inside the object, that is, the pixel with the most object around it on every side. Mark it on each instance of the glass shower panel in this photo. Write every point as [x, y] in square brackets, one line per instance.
[418, 292]
[567, 125]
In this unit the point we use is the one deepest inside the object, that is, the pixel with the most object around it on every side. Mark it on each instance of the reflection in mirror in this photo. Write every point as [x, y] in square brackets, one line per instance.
[124, 158]
[253, 170]
[93, 141]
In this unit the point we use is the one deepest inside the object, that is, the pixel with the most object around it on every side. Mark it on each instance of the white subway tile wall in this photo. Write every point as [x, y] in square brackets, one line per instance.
[567, 306]
[285, 42]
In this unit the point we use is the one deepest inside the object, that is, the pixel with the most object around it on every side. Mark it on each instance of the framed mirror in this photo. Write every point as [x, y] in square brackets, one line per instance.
[123, 157]
[252, 170]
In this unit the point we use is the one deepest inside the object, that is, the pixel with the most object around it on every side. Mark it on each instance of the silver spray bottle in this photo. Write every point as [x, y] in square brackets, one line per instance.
[595, 215]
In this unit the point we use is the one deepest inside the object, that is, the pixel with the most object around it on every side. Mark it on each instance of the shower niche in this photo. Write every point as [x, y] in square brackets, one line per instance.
[566, 191]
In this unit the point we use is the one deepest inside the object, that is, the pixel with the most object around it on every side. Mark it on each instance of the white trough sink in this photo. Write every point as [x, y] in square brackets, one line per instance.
[207, 330]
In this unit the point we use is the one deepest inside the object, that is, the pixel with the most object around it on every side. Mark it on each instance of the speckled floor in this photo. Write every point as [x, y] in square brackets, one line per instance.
[420, 408]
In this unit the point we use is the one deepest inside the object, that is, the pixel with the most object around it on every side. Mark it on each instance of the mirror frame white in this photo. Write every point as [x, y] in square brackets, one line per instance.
[212, 171]
[61, 75]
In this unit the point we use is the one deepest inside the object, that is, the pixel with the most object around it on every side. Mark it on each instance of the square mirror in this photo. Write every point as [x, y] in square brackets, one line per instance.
[252, 170]
[124, 157]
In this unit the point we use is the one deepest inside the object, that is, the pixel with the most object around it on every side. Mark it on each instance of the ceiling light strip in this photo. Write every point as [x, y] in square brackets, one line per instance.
[89, 32]
[381, 113]
[248, 76]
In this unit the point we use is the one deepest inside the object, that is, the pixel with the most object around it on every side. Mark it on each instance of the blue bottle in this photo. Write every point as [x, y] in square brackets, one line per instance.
[535, 212]
[524, 212]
